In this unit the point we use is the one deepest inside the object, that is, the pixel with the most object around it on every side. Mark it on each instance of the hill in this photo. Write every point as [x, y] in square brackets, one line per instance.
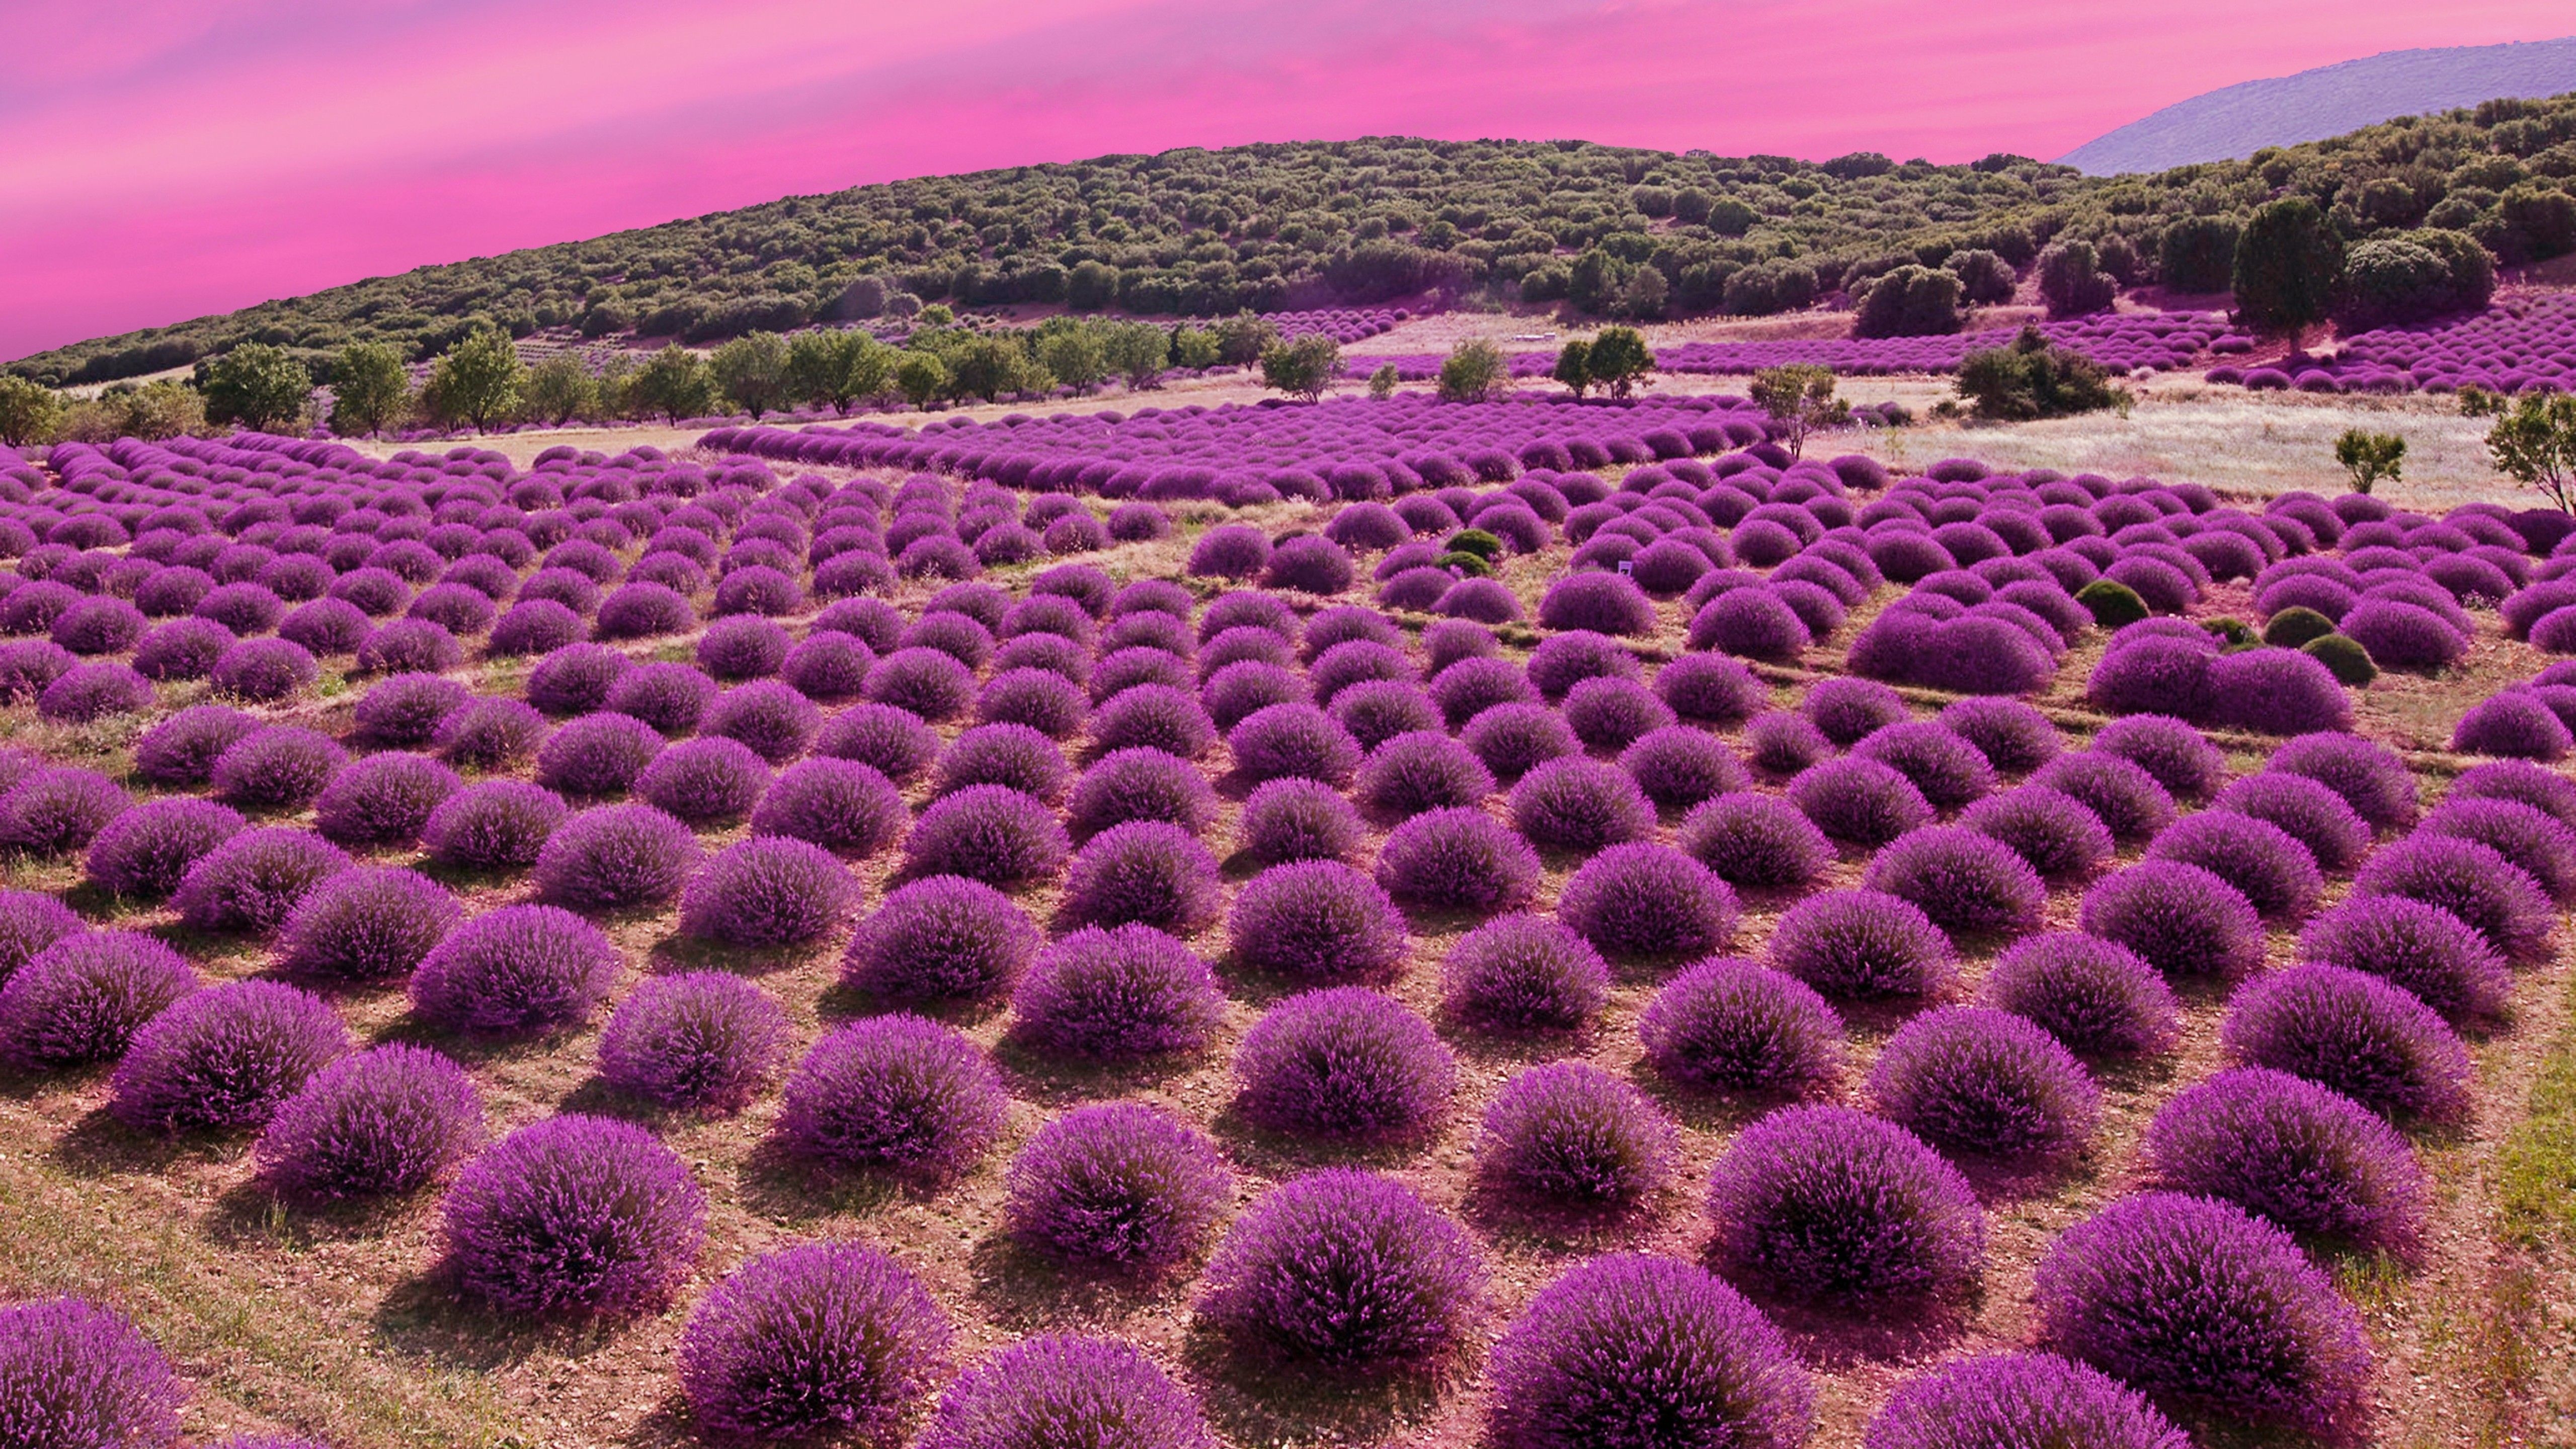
[2236, 121]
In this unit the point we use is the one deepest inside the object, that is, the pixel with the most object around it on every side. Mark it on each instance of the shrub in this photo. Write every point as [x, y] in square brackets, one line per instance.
[83, 998]
[1298, 820]
[2308, 812]
[1825, 1202]
[713, 779]
[496, 825]
[1292, 740]
[2192, 1300]
[1972, 1079]
[2050, 830]
[644, 611]
[2399, 635]
[1734, 1026]
[324, 626]
[99, 624]
[1117, 995]
[1562, 661]
[1573, 1135]
[1861, 944]
[1962, 880]
[893, 1093]
[389, 1120]
[1004, 754]
[769, 890]
[1514, 739]
[224, 1058]
[2533, 840]
[1457, 859]
[1141, 784]
[1711, 688]
[1470, 687]
[2474, 882]
[279, 767]
[2520, 780]
[2126, 799]
[2422, 948]
[2178, 918]
[182, 749]
[1316, 920]
[743, 646]
[1524, 973]
[2308, 1159]
[617, 857]
[74, 1375]
[817, 1338]
[490, 734]
[146, 850]
[2092, 995]
[1230, 550]
[515, 970]
[1573, 803]
[92, 692]
[701, 1039]
[2263, 862]
[1146, 872]
[54, 811]
[252, 882]
[1058, 1388]
[574, 1213]
[774, 720]
[1629, 1350]
[535, 626]
[1343, 1269]
[1036, 698]
[840, 805]
[597, 755]
[941, 938]
[1858, 800]
[367, 925]
[672, 698]
[30, 922]
[1848, 710]
[2019, 1399]
[2011, 735]
[261, 671]
[1344, 1061]
[989, 833]
[1679, 766]
[1120, 1186]
[1640, 900]
[576, 679]
[2356, 1033]
[1757, 842]
[1157, 716]
[923, 681]
[1599, 603]
[383, 799]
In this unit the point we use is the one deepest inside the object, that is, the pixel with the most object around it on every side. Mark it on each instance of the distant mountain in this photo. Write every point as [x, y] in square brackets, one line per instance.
[2234, 123]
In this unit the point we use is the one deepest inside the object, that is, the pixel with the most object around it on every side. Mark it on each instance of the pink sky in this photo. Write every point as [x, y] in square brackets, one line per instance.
[160, 160]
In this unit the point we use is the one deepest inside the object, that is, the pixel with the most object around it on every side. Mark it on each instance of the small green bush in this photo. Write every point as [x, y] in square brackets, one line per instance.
[2343, 655]
[1474, 566]
[2293, 628]
[2111, 603]
[1478, 542]
[2032, 378]
[2233, 633]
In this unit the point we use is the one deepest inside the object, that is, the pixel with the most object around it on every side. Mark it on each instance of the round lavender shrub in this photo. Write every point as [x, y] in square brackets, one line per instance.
[2017, 1399]
[893, 1093]
[2013, 736]
[672, 698]
[2187, 765]
[325, 626]
[2474, 882]
[1514, 739]
[2122, 795]
[2370, 777]
[820, 1338]
[2050, 830]
[1141, 784]
[1648, 901]
[617, 857]
[74, 1375]
[1947, 769]
[29, 922]
[774, 720]
[183, 649]
[224, 1057]
[1146, 872]
[535, 626]
[1580, 804]
[515, 970]
[2422, 948]
[1004, 754]
[2180, 919]
[84, 997]
[1472, 686]
[1231, 551]
[2191, 1300]
[1963, 880]
[1679, 766]
[644, 611]
[743, 646]
[1784, 743]
[2536, 842]
[1977, 1080]
[1117, 995]
[279, 767]
[2547, 791]
[1285, 741]
[145, 851]
[596, 755]
[1862, 944]
[405, 709]
[1828, 1203]
[699, 1039]
[1732, 1025]
[1061, 1389]
[2311, 814]
[1378, 710]
[383, 799]
[56, 810]
[1572, 1135]
[941, 938]
[1297, 820]
[182, 749]
[1119, 1186]
[1422, 771]
[1611, 714]
[989, 833]
[704, 780]
[1860, 801]
[1039, 699]
[1646, 1353]
[1603, 603]
[576, 679]
[1711, 689]
[372, 924]
[1457, 859]
[768, 890]
[2090, 994]
[1160, 717]
[924, 681]
[252, 882]
[1849, 710]
[574, 1214]
[1341, 1062]
[1314, 920]
[1564, 660]
[91, 692]
[840, 805]
[389, 1120]
[1523, 973]
[495, 825]
[1344, 1270]
[2308, 1159]
[1756, 842]
[2356, 1033]
[262, 671]
[2263, 861]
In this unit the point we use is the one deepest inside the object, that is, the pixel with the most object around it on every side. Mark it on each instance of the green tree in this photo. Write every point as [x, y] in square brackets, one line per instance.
[155, 411]
[1801, 397]
[2029, 378]
[477, 380]
[560, 389]
[1136, 351]
[2370, 457]
[2289, 262]
[255, 386]
[991, 366]
[673, 382]
[2072, 280]
[369, 389]
[1195, 349]
[1574, 365]
[921, 377]
[2198, 254]
[30, 412]
[1304, 368]
[1619, 359]
[1074, 354]
[752, 370]
[1382, 383]
[1474, 371]
[1242, 338]
[1909, 302]
[836, 367]
[2533, 440]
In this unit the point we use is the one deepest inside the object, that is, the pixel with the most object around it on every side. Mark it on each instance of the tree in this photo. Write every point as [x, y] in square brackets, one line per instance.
[256, 387]
[1474, 371]
[1574, 365]
[1801, 397]
[2400, 277]
[2072, 282]
[2288, 263]
[1304, 368]
[1909, 302]
[1242, 338]
[2370, 457]
[2031, 378]
[992, 365]
[2198, 254]
[752, 370]
[369, 389]
[477, 380]
[828, 366]
[673, 382]
[1382, 382]
[1619, 359]
[1194, 348]
[29, 411]
[920, 377]
[1136, 351]
[560, 389]
[1985, 278]
[2533, 440]
[1075, 356]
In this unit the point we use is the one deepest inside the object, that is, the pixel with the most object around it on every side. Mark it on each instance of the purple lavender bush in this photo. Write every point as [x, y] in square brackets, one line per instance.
[941, 938]
[1341, 1062]
[2093, 995]
[1732, 1025]
[768, 890]
[2178, 918]
[1063, 1389]
[515, 970]
[893, 1093]
[252, 882]
[1523, 973]
[698, 1039]
[2422, 948]
[1827, 1203]
[574, 1214]
[818, 1338]
[1343, 1270]
[147, 850]
[2373, 1041]
[494, 825]
[1118, 1186]
[1971, 1079]
[1649, 902]
[1117, 995]
[1862, 944]
[2311, 1160]
[224, 1057]
[79, 1376]
[617, 857]
[1571, 1135]
[2019, 1399]
[386, 1121]
[82, 999]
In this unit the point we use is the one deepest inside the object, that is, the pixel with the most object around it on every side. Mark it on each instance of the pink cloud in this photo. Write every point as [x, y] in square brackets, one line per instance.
[160, 161]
